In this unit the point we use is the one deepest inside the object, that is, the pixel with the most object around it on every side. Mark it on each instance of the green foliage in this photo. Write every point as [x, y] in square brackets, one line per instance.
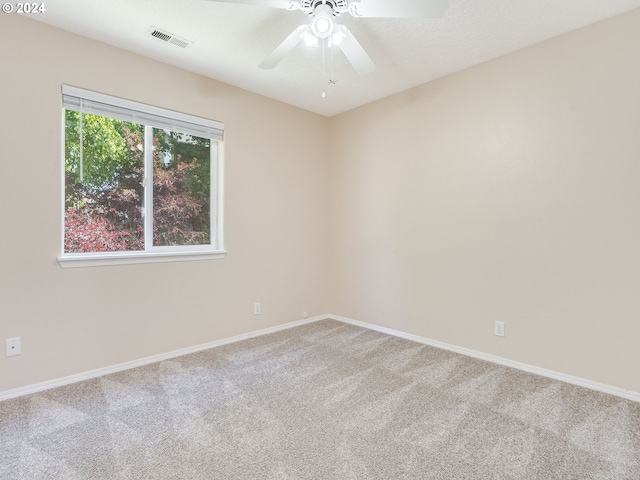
[187, 149]
[104, 149]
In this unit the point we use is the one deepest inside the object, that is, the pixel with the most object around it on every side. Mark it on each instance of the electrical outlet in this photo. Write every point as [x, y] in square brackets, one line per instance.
[305, 314]
[13, 346]
[256, 309]
[499, 329]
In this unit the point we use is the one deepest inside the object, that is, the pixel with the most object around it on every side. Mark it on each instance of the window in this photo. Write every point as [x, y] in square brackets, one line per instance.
[141, 183]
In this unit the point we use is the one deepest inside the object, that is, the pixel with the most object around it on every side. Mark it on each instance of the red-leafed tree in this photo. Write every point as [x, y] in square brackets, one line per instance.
[177, 211]
[84, 232]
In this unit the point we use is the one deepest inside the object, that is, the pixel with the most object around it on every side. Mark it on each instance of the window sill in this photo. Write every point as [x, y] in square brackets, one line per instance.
[73, 260]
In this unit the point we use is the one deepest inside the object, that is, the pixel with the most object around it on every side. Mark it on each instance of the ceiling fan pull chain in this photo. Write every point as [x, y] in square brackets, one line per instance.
[324, 94]
[331, 74]
[323, 55]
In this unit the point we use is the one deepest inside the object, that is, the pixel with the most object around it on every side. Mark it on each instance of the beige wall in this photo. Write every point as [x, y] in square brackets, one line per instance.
[509, 191]
[75, 320]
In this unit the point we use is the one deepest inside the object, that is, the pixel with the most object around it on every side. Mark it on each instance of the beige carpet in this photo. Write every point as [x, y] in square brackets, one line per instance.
[321, 401]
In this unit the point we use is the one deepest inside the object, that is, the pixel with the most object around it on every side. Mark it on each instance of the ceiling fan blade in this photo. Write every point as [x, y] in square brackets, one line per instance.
[401, 8]
[283, 49]
[354, 52]
[286, 4]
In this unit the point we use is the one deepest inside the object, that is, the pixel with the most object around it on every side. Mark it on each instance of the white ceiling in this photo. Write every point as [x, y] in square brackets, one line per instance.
[230, 40]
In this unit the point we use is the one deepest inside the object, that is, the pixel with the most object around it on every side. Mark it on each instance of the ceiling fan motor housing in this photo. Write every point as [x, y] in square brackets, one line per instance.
[336, 7]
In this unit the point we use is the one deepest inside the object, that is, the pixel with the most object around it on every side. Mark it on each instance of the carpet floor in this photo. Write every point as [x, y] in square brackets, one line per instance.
[325, 400]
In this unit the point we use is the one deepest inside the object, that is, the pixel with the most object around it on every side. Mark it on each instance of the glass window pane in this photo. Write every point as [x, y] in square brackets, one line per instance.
[181, 189]
[103, 184]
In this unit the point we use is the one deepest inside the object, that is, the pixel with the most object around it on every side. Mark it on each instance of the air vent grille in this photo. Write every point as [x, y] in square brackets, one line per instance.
[168, 37]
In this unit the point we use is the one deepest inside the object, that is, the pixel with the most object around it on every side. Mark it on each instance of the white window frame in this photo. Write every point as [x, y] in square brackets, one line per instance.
[150, 116]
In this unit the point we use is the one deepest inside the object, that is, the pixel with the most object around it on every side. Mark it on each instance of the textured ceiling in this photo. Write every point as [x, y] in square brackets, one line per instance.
[230, 40]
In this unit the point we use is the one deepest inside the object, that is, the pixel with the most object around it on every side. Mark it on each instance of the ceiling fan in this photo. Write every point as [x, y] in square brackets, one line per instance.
[323, 27]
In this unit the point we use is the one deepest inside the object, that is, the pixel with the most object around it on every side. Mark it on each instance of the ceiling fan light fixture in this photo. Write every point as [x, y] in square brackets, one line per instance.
[309, 38]
[339, 34]
[322, 25]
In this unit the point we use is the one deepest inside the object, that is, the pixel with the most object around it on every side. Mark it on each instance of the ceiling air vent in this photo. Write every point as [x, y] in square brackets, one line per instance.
[168, 37]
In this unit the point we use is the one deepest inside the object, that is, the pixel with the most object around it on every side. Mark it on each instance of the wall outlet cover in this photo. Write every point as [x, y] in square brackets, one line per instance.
[13, 347]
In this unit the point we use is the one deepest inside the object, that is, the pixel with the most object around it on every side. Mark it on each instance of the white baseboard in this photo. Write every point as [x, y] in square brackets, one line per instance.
[600, 387]
[39, 387]
[563, 377]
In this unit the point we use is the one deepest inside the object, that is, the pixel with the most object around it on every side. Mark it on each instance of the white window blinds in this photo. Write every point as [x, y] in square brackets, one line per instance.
[85, 101]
